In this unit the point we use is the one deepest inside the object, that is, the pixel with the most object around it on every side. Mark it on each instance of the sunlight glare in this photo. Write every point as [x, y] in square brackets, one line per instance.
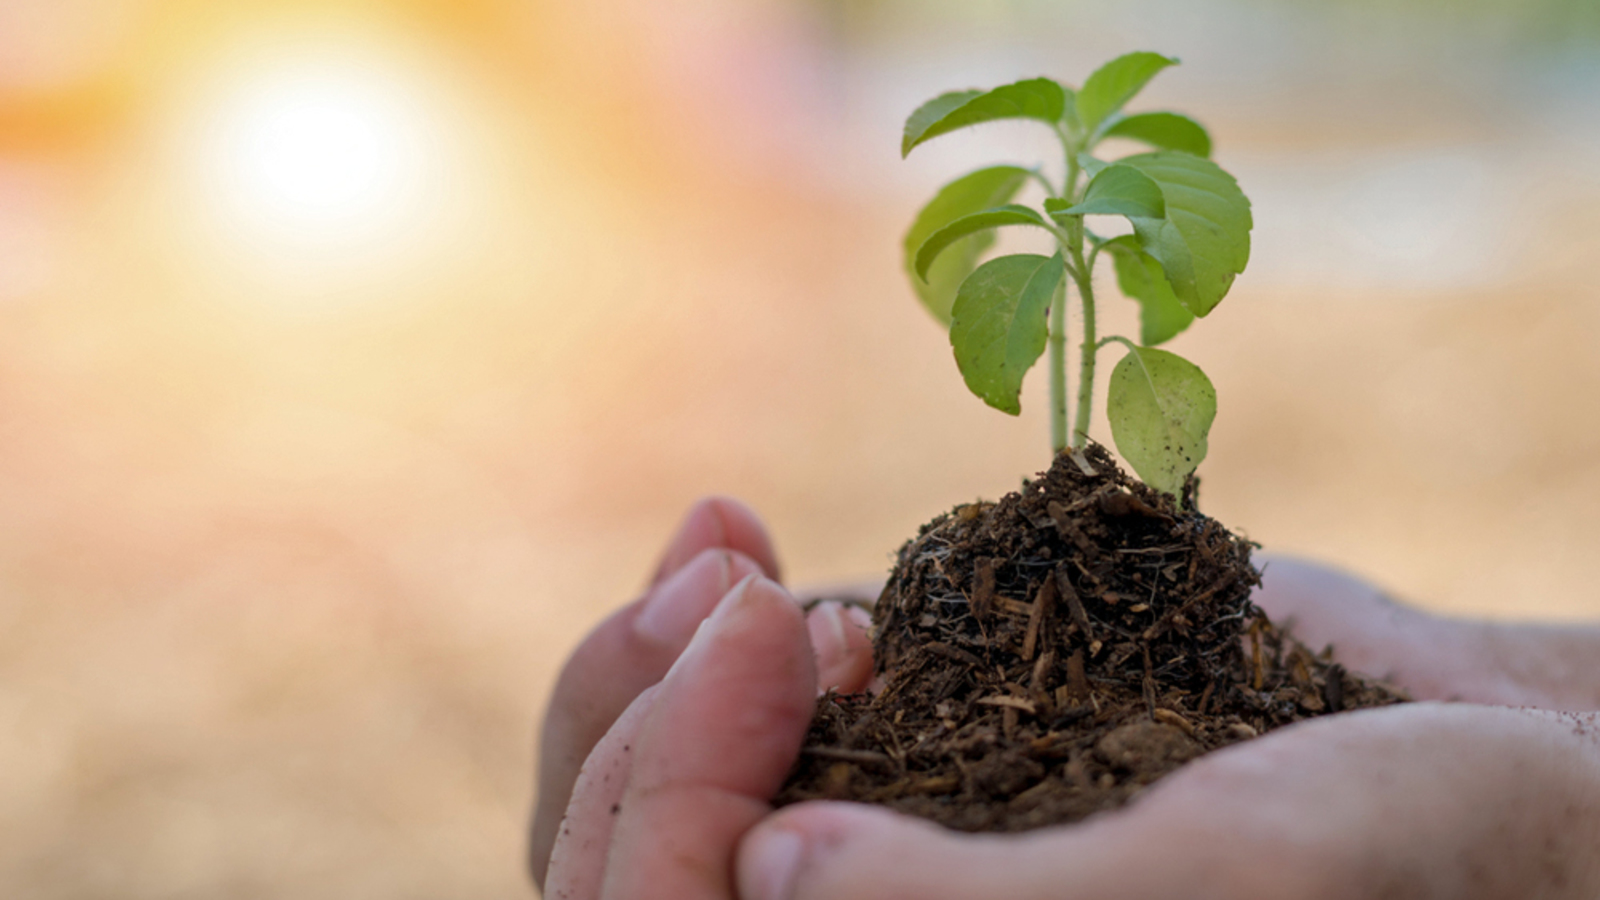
[322, 167]
[324, 154]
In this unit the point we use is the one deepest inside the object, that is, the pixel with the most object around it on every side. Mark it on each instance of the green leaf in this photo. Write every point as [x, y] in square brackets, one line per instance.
[999, 328]
[1010, 214]
[1161, 316]
[1069, 110]
[1035, 98]
[1120, 191]
[1161, 407]
[1164, 131]
[928, 114]
[1090, 164]
[1204, 241]
[972, 192]
[1114, 84]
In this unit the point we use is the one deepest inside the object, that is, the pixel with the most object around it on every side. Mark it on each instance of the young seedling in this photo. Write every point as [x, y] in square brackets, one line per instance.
[1191, 236]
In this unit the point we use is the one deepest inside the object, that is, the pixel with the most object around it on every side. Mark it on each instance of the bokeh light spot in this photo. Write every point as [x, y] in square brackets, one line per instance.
[325, 154]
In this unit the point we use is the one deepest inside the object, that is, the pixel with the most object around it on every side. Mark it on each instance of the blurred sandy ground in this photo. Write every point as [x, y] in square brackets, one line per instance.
[291, 549]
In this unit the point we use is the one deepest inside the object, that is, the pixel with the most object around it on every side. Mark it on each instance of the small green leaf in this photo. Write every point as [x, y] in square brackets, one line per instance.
[1069, 110]
[1161, 316]
[1164, 131]
[928, 114]
[1010, 214]
[1035, 98]
[1204, 241]
[973, 192]
[1161, 407]
[1090, 164]
[1120, 191]
[999, 328]
[1114, 84]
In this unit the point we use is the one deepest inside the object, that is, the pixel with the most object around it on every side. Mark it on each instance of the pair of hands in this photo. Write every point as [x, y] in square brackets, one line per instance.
[678, 718]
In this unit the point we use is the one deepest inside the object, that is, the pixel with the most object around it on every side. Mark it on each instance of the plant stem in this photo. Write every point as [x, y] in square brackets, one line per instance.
[1071, 242]
[1058, 369]
[1069, 147]
[1080, 430]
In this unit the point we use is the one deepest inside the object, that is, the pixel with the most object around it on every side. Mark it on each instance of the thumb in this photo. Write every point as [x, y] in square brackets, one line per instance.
[847, 851]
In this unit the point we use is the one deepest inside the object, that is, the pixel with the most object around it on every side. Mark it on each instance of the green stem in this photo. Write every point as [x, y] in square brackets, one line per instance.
[1071, 241]
[1069, 183]
[1058, 369]
[1080, 430]
[1064, 241]
[1094, 254]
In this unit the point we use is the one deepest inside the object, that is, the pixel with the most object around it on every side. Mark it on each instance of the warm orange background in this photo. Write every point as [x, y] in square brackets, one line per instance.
[293, 537]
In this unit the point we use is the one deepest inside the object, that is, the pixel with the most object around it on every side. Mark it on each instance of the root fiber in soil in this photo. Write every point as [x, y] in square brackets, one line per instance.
[1048, 656]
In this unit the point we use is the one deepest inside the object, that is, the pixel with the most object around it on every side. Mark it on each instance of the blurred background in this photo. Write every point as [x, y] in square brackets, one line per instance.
[356, 356]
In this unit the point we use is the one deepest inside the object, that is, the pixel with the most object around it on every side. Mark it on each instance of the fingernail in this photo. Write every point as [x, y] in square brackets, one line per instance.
[860, 617]
[828, 641]
[736, 598]
[677, 605]
[828, 633]
[775, 861]
[705, 632]
[700, 529]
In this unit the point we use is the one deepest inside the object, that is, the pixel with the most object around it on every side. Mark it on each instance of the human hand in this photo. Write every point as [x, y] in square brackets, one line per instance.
[1356, 805]
[706, 718]
[1410, 801]
[1431, 656]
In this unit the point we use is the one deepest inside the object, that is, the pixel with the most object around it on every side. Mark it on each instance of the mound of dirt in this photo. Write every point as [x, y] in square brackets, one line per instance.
[1047, 656]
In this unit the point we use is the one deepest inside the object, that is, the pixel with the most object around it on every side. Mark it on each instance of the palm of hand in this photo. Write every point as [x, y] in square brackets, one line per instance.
[1429, 656]
[1388, 802]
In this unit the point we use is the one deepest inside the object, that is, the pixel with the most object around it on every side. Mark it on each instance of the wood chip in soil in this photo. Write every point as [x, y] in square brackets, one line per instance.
[1048, 656]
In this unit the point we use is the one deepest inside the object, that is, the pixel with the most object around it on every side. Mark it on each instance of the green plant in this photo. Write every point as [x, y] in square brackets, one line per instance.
[1190, 237]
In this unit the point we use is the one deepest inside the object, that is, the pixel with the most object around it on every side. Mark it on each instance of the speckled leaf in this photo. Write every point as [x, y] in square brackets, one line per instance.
[1161, 407]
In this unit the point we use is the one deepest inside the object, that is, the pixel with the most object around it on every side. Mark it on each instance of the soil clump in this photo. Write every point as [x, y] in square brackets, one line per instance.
[1047, 656]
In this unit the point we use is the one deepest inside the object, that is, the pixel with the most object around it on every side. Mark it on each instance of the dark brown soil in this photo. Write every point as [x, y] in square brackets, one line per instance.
[1047, 656]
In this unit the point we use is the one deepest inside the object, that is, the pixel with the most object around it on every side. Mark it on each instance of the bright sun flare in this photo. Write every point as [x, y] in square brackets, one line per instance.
[321, 156]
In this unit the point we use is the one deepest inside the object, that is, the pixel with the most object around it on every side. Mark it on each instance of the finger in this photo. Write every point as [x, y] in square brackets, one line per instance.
[721, 736]
[578, 857]
[627, 653]
[859, 592]
[1430, 657]
[1190, 836]
[843, 650]
[719, 522]
[1385, 802]
[846, 851]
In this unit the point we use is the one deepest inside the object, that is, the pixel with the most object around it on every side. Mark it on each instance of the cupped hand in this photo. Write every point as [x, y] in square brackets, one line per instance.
[1413, 801]
[683, 731]
[1419, 800]
[1433, 657]
[757, 670]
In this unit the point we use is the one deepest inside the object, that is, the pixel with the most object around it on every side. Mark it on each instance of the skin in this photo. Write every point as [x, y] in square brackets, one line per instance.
[659, 755]
[719, 543]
